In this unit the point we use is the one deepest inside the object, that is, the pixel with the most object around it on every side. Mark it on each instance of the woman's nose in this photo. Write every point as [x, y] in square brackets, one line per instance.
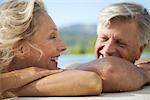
[61, 47]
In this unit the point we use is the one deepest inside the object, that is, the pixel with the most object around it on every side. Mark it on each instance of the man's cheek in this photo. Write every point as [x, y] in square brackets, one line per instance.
[129, 56]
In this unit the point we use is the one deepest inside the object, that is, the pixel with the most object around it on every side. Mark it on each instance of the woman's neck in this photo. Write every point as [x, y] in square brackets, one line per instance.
[16, 65]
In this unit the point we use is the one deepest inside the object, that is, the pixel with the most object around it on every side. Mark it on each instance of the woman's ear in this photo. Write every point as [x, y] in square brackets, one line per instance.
[20, 50]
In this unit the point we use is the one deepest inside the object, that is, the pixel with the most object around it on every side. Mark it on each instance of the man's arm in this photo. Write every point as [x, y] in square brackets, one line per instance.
[66, 83]
[117, 74]
[19, 78]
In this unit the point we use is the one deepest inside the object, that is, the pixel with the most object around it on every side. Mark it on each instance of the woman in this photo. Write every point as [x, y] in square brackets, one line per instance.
[29, 48]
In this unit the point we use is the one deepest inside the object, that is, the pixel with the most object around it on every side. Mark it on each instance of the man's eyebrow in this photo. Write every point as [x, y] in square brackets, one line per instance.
[123, 41]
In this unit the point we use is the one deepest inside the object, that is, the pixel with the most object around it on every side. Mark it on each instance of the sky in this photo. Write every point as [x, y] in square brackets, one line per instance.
[69, 12]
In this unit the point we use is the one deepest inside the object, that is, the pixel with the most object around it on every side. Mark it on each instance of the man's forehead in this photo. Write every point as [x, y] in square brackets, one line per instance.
[121, 27]
[125, 32]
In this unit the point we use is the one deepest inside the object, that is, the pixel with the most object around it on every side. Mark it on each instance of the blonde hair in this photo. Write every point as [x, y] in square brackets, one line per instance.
[125, 12]
[18, 21]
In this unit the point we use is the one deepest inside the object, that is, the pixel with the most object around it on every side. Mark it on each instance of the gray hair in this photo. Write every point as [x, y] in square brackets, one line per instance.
[127, 11]
[18, 21]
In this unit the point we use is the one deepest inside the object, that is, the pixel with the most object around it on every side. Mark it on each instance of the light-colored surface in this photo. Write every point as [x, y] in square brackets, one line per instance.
[143, 94]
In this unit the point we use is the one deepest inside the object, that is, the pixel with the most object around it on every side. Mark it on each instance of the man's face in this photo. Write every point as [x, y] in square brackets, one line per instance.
[120, 39]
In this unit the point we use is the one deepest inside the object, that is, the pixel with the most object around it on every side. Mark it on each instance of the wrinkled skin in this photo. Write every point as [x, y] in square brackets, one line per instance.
[120, 39]
[117, 74]
[117, 48]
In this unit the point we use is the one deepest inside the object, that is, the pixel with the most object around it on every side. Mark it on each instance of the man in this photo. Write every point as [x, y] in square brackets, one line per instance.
[123, 33]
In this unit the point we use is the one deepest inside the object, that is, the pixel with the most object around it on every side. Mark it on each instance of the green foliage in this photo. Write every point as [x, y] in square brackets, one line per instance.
[82, 47]
[80, 39]
[147, 49]
[76, 50]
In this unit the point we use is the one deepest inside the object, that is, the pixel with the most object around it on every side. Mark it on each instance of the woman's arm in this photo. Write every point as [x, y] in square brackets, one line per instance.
[19, 78]
[67, 83]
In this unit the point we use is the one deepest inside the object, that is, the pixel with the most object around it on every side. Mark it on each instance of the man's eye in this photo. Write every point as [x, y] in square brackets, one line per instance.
[121, 44]
[103, 39]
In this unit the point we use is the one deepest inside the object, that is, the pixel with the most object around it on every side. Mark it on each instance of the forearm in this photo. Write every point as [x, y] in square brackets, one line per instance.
[19, 78]
[7, 81]
[92, 66]
[121, 75]
[117, 74]
[145, 65]
[67, 83]
[147, 72]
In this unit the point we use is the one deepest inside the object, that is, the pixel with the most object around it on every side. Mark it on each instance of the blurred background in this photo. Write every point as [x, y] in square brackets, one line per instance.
[77, 23]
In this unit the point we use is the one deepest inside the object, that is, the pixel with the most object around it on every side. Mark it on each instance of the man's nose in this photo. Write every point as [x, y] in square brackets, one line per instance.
[109, 48]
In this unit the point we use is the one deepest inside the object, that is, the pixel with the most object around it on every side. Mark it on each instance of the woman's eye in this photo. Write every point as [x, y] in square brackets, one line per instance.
[52, 36]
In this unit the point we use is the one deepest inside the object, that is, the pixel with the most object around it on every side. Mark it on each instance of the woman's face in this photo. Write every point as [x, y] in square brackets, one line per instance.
[47, 40]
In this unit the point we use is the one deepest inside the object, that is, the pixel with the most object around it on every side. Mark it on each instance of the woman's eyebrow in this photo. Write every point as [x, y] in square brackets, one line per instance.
[54, 29]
